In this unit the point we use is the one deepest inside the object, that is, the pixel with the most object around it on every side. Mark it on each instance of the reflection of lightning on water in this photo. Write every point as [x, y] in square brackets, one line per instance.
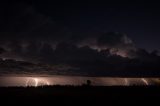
[145, 81]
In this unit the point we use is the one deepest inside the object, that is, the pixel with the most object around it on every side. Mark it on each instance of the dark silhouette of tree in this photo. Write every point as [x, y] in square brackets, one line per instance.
[88, 82]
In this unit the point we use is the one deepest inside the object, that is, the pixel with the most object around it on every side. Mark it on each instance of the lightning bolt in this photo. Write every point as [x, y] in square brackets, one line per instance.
[36, 81]
[145, 81]
[126, 82]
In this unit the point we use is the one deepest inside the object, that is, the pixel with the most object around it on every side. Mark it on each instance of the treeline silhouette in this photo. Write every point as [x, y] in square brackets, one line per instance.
[83, 95]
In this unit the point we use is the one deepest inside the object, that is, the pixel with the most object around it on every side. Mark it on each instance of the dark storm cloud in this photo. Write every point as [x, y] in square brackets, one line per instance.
[12, 67]
[23, 22]
[25, 31]
[115, 40]
[2, 50]
[51, 48]
[84, 62]
[30, 35]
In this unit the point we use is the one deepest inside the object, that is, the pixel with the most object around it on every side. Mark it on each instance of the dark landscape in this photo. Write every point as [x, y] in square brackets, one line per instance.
[81, 95]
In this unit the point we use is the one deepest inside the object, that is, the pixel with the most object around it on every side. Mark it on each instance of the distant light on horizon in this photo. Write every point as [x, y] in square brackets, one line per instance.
[76, 80]
[36, 81]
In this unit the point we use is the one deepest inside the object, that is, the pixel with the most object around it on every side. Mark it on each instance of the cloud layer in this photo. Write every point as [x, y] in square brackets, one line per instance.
[31, 36]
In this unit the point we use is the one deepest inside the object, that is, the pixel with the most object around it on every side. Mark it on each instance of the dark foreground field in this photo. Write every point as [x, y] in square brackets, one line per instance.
[82, 95]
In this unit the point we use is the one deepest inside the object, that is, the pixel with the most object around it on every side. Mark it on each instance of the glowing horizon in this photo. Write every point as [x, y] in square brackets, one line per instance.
[76, 80]
[36, 82]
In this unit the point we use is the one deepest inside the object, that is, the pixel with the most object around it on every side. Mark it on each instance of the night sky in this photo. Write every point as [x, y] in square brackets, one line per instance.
[79, 38]
[139, 20]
